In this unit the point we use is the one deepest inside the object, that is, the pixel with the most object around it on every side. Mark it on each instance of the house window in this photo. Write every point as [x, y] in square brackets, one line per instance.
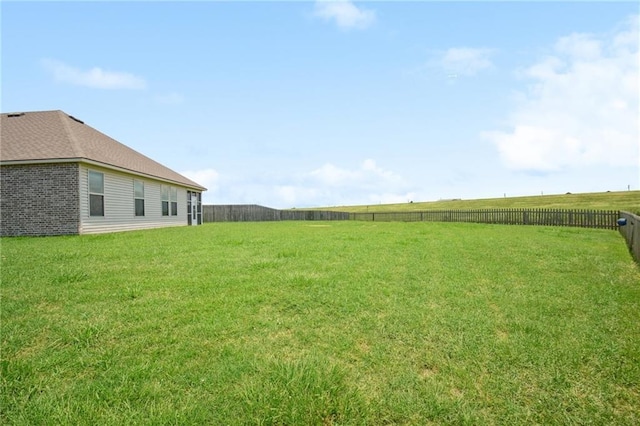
[165, 200]
[96, 193]
[169, 201]
[138, 195]
[174, 201]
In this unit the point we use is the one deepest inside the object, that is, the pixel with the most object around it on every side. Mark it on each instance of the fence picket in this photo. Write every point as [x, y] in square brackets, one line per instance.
[546, 217]
[603, 219]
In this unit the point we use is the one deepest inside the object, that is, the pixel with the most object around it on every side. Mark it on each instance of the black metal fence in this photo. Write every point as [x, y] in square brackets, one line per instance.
[604, 219]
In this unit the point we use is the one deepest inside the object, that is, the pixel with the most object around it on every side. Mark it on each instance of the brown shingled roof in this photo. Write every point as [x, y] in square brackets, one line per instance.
[53, 135]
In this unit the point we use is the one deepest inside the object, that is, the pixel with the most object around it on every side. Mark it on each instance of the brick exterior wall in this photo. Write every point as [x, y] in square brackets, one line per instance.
[39, 199]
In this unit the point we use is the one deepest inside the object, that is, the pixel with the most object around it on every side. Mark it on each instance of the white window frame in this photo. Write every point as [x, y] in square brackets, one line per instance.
[165, 198]
[173, 201]
[136, 197]
[95, 193]
[169, 195]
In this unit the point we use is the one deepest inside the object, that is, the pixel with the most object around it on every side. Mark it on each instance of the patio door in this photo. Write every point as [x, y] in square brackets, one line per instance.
[194, 209]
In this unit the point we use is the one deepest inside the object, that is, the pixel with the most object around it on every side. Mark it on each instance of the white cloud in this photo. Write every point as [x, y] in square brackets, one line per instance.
[345, 14]
[292, 195]
[368, 174]
[579, 46]
[95, 77]
[328, 185]
[464, 61]
[209, 178]
[332, 185]
[581, 108]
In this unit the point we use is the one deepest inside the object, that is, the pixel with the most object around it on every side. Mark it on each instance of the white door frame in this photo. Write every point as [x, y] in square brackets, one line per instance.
[194, 209]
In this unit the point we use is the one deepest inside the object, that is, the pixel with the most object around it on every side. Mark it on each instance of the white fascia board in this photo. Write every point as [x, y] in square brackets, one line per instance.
[99, 164]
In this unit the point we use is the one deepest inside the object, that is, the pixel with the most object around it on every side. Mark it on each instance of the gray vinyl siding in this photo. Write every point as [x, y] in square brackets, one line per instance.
[119, 205]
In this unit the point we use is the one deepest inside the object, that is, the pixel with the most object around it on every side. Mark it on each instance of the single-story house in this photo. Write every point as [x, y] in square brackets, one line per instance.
[59, 176]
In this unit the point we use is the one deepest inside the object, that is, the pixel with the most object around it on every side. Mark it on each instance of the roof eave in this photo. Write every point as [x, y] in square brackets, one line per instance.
[99, 164]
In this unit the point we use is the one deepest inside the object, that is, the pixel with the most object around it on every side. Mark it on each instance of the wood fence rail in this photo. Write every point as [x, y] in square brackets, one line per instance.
[256, 213]
[603, 219]
[631, 233]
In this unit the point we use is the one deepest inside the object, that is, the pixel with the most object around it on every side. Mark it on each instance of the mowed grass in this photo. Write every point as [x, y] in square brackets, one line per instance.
[321, 323]
[621, 200]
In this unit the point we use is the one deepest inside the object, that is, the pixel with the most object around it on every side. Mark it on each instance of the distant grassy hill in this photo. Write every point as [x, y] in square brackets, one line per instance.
[623, 200]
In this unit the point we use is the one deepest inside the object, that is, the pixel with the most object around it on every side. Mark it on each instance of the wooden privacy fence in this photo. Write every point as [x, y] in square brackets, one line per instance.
[605, 219]
[256, 213]
[631, 233]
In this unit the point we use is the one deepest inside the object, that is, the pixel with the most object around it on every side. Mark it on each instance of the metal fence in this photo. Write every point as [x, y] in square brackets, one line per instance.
[256, 213]
[631, 233]
[604, 219]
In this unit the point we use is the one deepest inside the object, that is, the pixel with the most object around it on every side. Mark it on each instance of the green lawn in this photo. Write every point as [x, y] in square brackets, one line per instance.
[321, 323]
[622, 200]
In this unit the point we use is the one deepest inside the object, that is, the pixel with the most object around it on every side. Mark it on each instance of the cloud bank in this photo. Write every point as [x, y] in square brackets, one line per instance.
[327, 185]
[209, 178]
[581, 107]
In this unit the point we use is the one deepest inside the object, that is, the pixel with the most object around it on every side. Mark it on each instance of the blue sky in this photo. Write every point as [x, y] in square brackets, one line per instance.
[300, 104]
